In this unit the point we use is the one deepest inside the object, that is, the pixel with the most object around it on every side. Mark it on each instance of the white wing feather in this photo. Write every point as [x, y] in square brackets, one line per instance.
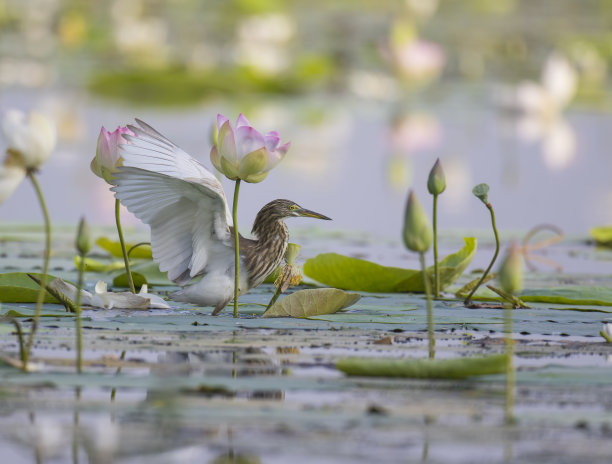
[183, 203]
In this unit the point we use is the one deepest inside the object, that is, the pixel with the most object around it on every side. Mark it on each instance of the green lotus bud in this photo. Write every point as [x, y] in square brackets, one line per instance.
[436, 183]
[292, 252]
[417, 232]
[481, 191]
[511, 271]
[83, 239]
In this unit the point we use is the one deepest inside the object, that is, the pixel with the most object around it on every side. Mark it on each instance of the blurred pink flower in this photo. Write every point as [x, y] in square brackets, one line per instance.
[243, 153]
[107, 158]
[418, 59]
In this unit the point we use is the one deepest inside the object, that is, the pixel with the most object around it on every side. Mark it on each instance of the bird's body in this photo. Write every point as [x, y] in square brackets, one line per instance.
[191, 226]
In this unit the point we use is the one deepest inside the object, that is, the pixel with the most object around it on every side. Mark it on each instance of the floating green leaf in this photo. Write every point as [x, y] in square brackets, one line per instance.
[602, 235]
[145, 273]
[571, 294]
[312, 302]
[17, 287]
[424, 368]
[357, 274]
[143, 251]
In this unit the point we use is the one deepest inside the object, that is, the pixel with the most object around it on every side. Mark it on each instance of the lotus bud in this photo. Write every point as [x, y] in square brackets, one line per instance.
[417, 232]
[107, 158]
[511, 271]
[481, 191]
[606, 332]
[30, 139]
[436, 183]
[243, 153]
[83, 240]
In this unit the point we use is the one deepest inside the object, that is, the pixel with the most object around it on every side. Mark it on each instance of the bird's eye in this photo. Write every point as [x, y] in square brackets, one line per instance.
[294, 207]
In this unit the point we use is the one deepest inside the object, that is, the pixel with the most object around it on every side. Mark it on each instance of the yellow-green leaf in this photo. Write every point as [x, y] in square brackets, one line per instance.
[114, 248]
[312, 302]
[424, 368]
[602, 235]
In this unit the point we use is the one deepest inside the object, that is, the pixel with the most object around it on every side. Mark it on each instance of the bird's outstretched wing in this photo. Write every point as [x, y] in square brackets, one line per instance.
[182, 202]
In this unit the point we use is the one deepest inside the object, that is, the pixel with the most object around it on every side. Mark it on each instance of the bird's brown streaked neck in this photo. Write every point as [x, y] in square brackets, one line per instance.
[264, 254]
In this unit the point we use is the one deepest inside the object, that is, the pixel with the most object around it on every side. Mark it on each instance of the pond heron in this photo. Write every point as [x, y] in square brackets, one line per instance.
[191, 226]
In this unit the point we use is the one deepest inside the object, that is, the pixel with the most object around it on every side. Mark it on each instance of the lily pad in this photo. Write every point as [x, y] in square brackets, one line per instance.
[17, 287]
[312, 302]
[458, 368]
[602, 235]
[143, 251]
[144, 273]
[357, 274]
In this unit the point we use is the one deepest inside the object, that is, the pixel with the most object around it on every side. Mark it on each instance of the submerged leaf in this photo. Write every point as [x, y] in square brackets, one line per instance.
[357, 274]
[17, 287]
[426, 368]
[143, 251]
[312, 302]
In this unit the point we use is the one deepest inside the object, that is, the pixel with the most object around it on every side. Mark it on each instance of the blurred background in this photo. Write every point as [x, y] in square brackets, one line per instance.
[513, 93]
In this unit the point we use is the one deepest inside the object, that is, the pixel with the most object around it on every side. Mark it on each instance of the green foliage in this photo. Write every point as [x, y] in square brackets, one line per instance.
[458, 368]
[312, 302]
[17, 287]
[175, 86]
[357, 274]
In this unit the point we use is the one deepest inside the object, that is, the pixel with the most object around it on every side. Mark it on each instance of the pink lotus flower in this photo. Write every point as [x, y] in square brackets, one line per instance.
[107, 158]
[243, 153]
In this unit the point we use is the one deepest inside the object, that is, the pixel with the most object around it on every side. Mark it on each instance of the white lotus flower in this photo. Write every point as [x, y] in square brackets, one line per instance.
[30, 138]
[10, 178]
[102, 298]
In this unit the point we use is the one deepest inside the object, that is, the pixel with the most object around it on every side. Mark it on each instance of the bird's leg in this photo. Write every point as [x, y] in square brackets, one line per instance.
[221, 305]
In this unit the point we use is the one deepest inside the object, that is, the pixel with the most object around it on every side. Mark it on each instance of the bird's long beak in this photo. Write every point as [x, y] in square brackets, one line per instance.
[312, 214]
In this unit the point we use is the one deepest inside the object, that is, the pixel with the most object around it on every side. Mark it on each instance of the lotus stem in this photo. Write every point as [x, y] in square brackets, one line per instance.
[19, 339]
[469, 297]
[126, 259]
[47, 255]
[430, 320]
[435, 247]
[79, 322]
[236, 247]
[277, 293]
[510, 373]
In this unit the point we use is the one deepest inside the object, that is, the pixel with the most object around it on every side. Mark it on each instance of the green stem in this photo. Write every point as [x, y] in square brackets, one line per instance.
[43, 279]
[20, 339]
[79, 323]
[275, 297]
[469, 297]
[435, 247]
[236, 247]
[430, 320]
[123, 249]
[510, 373]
